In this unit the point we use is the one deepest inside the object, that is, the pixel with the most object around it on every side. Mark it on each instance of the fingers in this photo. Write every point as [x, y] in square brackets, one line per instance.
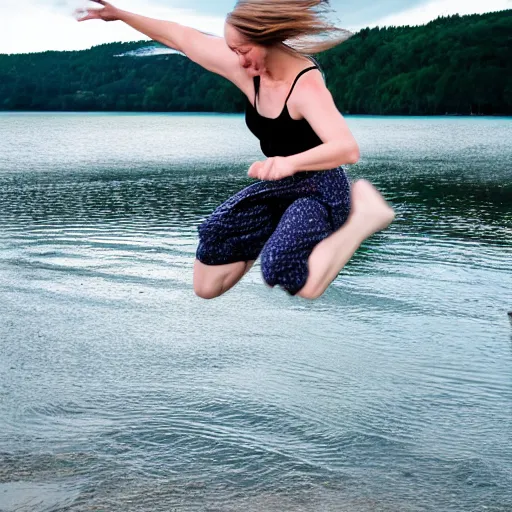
[91, 14]
[254, 169]
[266, 170]
[263, 170]
[82, 15]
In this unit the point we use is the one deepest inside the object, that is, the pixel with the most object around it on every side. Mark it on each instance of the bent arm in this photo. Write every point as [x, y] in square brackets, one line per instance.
[328, 155]
[339, 145]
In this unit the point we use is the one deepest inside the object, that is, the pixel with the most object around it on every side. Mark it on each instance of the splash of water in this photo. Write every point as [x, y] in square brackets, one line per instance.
[148, 51]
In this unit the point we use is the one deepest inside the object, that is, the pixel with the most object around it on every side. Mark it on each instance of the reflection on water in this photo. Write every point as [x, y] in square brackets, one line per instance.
[120, 390]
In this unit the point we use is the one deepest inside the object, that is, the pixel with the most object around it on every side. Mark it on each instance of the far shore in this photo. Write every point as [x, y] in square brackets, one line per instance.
[199, 113]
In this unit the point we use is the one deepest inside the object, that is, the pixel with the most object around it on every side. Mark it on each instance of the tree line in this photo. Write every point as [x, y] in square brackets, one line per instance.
[452, 65]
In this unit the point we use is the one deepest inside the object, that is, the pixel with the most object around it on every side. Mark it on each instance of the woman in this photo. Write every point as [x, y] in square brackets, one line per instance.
[302, 218]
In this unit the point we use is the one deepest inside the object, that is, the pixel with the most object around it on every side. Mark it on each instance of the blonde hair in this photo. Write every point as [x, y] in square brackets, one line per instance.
[293, 23]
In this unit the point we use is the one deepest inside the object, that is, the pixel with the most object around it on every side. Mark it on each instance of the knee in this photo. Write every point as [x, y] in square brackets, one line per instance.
[205, 290]
[212, 281]
[204, 286]
[310, 292]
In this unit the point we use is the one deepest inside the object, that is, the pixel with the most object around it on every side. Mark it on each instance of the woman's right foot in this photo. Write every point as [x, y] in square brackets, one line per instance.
[370, 208]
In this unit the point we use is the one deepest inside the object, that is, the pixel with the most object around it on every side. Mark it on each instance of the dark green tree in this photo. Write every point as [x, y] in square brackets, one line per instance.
[455, 64]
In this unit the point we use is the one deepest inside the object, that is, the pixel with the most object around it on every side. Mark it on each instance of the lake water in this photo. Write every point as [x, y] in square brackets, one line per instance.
[122, 391]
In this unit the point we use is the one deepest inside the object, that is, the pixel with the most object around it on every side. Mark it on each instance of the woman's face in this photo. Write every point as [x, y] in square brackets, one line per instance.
[251, 56]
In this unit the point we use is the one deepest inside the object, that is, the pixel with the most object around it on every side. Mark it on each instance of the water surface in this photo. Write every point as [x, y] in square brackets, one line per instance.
[121, 390]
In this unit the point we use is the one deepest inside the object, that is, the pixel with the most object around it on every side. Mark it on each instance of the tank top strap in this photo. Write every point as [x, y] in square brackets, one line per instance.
[317, 65]
[256, 82]
[295, 81]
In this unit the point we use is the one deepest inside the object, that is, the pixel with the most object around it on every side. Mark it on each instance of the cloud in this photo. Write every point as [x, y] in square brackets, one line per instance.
[433, 9]
[39, 25]
[34, 26]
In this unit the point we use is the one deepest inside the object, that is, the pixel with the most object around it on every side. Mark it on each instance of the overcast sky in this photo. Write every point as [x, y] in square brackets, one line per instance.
[38, 25]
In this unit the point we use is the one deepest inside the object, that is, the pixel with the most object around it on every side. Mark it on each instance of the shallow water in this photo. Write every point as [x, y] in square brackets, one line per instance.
[120, 390]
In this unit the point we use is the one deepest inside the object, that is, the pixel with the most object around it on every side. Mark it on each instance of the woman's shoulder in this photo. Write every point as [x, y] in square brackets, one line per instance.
[309, 76]
[303, 71]
[309, 87]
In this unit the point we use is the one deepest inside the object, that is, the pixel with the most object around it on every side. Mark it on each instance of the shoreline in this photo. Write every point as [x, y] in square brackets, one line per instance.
[200, 113]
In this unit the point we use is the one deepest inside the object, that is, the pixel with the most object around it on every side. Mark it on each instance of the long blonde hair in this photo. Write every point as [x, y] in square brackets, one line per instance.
[293, 23]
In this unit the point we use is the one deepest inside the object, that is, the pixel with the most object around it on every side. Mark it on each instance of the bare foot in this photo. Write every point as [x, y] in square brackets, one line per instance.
[370, 207]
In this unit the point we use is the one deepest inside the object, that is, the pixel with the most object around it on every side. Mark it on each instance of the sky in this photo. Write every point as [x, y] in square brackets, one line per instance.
[39, 25]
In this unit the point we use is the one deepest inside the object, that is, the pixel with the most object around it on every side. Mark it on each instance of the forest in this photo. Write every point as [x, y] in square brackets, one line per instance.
[455, 65]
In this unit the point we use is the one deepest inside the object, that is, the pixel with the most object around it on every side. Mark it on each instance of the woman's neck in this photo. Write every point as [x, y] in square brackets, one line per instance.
[281, 66]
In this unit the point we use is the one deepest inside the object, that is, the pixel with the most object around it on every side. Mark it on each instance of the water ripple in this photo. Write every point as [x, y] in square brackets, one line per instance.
[120, 390]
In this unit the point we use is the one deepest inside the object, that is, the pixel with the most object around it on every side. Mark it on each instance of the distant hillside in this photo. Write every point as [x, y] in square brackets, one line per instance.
[455, 65]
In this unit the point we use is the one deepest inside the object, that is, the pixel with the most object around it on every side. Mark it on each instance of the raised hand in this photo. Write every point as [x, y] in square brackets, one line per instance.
[106, 13]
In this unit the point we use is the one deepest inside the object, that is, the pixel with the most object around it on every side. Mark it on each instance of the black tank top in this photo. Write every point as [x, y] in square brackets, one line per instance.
[280, 136]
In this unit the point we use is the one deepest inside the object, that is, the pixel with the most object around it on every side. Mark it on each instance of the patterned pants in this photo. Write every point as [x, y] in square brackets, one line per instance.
[281, 221]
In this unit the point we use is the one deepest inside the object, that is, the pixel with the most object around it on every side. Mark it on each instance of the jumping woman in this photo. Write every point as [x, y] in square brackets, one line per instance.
[302, 217]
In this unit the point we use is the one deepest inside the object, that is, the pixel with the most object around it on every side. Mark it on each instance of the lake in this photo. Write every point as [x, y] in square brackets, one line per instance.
[121, 390]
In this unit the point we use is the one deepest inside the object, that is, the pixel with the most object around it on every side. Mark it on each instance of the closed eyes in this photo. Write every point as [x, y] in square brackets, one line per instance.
[239, 52]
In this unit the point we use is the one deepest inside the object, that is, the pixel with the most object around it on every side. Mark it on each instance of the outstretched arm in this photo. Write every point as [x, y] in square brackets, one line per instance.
[208, 51]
